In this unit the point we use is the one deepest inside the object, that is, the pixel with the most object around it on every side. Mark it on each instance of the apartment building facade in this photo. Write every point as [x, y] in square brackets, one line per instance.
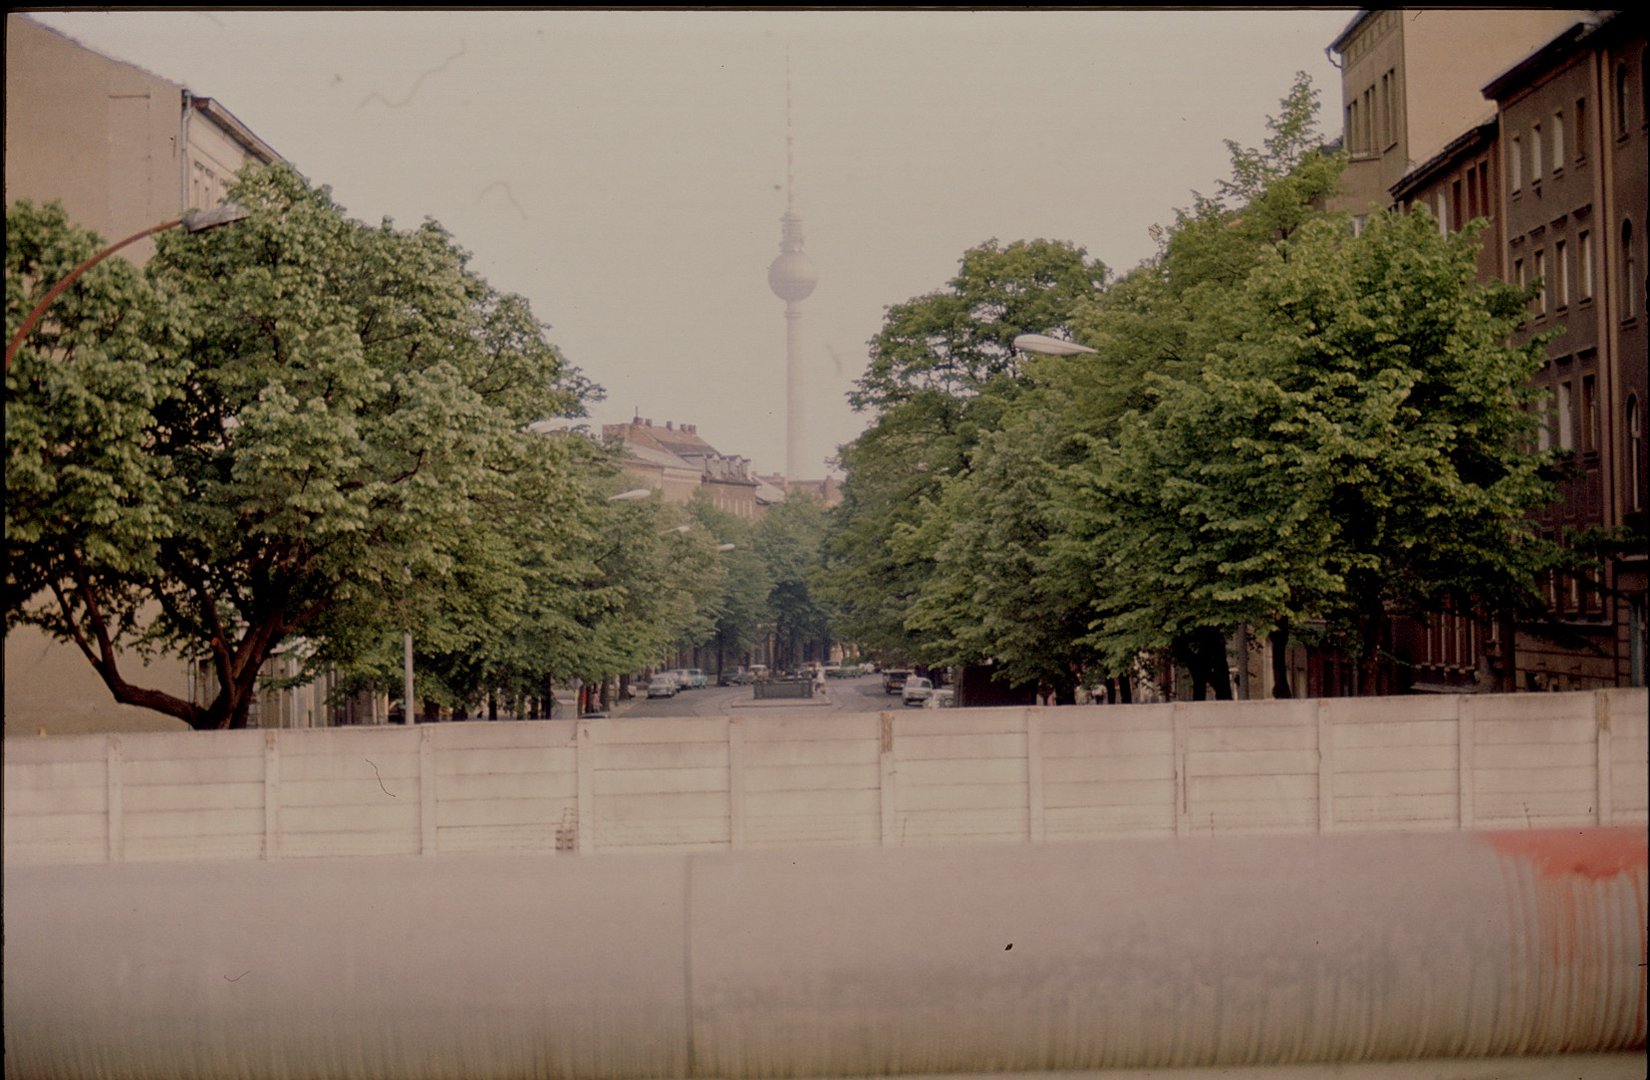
[676, 461]
[1558, 176]
[1575, 159]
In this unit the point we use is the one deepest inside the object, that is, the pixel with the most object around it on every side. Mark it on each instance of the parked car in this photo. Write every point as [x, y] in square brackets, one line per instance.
[893, 680]
[942, 698]
[662, 685]
[732, 676]
[916, 690]
[696, 679]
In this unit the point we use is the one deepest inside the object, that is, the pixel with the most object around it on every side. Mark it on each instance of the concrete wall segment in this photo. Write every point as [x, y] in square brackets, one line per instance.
[1251, 952]
[952, 777]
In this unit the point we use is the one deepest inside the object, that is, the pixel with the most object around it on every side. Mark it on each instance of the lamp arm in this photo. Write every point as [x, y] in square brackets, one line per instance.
[57, 290]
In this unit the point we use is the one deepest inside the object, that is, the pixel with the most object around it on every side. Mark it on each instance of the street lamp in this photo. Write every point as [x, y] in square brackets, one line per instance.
[194, 221]
[1049, 346]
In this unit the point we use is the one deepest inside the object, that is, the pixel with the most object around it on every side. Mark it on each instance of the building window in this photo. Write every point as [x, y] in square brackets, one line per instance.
[1558, 142]
[1561, 274]
[1369, 121]
[1581, 130]
[1440, 210]
[1544, 432]
[1584, 265]
[1455, 207]
[1589, 414]
[1635, 454]
[1540, 271]
[1566, 420]
[1383, 119]
[1515, 163]
[1535, 153]
[1629, 272]
[1389, 109]
[1621, 101]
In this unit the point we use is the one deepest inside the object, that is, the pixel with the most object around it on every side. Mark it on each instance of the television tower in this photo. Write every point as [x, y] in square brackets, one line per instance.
[792, 278]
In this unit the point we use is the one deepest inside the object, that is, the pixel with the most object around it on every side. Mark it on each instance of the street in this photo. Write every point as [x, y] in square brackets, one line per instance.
[860, 695]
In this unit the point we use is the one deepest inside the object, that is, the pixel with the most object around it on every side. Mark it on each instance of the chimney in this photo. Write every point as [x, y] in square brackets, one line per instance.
[670, 425]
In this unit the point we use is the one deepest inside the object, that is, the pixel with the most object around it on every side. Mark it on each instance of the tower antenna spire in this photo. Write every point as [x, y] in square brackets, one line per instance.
[792, 278]
[790, 158]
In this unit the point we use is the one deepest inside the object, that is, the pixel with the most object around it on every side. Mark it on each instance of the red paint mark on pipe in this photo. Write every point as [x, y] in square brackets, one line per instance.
[1594, 854]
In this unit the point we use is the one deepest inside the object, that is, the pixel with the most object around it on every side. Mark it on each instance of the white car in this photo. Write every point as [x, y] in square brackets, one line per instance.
[917, 690]
[662, 685]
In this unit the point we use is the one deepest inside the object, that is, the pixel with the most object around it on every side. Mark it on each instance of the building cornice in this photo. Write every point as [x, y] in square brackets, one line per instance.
[1524, 73]
[1473, 140]
[236, 130]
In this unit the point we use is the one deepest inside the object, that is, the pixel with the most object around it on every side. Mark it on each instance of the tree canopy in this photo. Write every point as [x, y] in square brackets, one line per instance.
[1282, 423]
[300, 425]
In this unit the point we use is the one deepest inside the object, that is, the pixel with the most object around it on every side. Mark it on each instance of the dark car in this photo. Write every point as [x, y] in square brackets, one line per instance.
[893, 680]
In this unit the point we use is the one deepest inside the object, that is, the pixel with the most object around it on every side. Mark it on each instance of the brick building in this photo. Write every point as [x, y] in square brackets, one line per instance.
[1557, 171]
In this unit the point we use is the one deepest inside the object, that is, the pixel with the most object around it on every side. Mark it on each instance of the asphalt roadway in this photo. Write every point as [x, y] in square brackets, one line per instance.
[860, 695]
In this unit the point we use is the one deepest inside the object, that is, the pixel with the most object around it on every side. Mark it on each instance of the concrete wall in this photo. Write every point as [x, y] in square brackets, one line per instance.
[1236, 952]
[922, 778]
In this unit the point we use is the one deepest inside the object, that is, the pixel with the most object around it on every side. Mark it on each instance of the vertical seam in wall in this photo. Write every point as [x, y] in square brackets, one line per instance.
[687, 963]
[114, 802]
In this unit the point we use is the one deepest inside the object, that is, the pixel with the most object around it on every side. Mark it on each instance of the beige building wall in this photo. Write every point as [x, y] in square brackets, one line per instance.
[102, 137]
[97, 135]
[1411, 81]
[1451, 54]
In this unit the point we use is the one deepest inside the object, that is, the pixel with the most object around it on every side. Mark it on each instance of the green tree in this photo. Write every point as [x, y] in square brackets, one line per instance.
[740, 612]
[961, 338]
[1359, 449]
[943, 370]
[790, 542]
[310, 444]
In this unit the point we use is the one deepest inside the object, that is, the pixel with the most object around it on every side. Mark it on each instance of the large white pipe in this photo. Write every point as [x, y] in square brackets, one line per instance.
[1131, 954]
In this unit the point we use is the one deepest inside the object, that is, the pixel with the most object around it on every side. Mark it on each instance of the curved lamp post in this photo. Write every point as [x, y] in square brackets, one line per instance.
[194, 221]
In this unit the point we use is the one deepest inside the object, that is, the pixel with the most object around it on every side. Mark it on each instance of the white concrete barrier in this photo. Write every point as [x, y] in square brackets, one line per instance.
[1233, 952]
[901, 778]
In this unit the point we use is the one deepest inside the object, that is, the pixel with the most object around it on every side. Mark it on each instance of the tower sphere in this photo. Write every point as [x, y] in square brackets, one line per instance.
[792, 276]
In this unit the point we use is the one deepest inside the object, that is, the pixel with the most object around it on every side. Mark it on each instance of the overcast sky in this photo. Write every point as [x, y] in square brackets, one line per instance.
[625, 171]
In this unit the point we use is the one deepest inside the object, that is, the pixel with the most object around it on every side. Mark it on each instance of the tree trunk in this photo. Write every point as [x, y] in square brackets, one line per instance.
[237, 719]
[1214, 656]
[1369, 662]
[1279, 641]
[1204, 654]
[1508, 681]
